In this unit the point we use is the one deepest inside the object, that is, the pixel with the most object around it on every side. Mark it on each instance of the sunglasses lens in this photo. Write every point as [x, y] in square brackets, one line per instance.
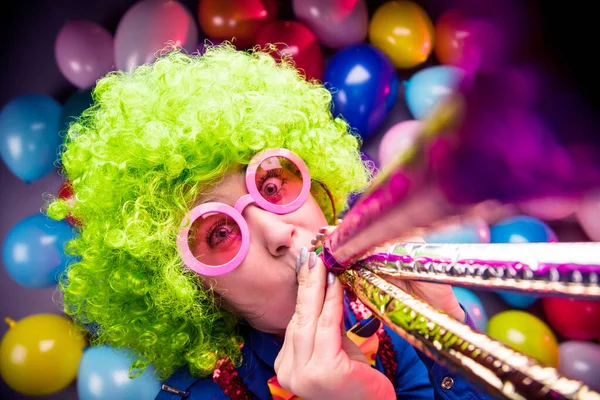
[215, 238]
[278, 180]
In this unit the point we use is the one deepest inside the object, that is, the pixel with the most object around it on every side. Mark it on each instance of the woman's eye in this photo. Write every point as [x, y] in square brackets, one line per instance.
[271, 187]
[222, 234]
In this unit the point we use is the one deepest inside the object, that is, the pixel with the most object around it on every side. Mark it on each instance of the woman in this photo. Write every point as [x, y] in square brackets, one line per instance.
[200, 183]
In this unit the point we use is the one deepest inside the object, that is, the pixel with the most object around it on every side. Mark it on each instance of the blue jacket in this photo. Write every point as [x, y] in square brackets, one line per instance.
[417, 376]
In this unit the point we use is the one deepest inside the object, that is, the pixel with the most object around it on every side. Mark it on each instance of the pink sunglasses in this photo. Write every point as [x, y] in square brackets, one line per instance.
[277, 180]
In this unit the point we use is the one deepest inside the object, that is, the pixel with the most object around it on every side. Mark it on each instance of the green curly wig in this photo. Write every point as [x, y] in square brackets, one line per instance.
[137, 159]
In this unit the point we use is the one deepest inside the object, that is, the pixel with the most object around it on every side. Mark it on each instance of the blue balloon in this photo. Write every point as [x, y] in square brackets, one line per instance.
[364, 86]
[428, 87]
[34, 251]
[29, 135]
[521, 229]
[467, 232]
[517, 300]
[473, 306]
[104, 375]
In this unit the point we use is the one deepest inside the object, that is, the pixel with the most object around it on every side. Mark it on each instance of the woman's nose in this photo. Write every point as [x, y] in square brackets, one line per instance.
[278, 234]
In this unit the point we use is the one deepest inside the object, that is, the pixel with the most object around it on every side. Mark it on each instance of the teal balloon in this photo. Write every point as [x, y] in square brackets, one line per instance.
[104, 375]
[517, 300]
[428, 87]
[29, 135]
[33, 252]
[74, 106]
[473, 306]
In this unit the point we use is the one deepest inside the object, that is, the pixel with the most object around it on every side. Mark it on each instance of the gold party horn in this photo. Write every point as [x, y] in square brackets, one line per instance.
[488, 363]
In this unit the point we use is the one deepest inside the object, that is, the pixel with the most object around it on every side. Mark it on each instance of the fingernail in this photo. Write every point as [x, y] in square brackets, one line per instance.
[312, 260]
[301, 259]
[313, 242]
[330, 278]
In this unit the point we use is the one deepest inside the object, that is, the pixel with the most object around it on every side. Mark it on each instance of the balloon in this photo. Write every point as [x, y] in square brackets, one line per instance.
[104, 374]
[148, 27]
[588, 215]
[525, 333]
[29, 139]
[404, 31]
[294, 40]
[40, 354]
[455, 42]
[428, 87]
[580, 360]
[521, 229]
[550, 208]
[517, 300]
[66, 192]
[474, 230]
[397, 140]
[573, 318]
[34, 251]
[364, 86]
[473, 306]
[74, 106]
[239, 19]
[335, 23]
[84, 52]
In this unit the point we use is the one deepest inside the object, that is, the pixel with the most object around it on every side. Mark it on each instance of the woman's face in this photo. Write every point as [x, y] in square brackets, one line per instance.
[263, 288]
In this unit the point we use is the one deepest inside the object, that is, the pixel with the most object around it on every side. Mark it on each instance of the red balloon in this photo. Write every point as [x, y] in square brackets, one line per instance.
[573, 319]
[297, 41]
[454, 41]
[239, 19]
[66, 192]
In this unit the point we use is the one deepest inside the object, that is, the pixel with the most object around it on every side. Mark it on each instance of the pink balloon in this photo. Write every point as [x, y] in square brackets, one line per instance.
[83, 52]
[550, 208]
[336, 23]
[398, 139]
[588, 215]
[151, 26]
[580, 360]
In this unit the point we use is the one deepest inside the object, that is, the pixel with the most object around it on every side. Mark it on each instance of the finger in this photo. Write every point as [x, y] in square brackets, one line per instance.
[328, 341]
[311, 293]
[285, 359]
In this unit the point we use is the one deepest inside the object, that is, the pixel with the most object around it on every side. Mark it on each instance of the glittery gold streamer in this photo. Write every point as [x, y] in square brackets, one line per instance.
[490, 363]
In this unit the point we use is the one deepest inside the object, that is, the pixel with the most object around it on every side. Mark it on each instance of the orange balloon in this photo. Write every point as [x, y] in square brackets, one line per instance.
[235, 20]
[404, 31]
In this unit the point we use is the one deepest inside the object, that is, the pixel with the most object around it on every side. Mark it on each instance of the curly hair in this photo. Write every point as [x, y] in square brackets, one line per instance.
[154, 138]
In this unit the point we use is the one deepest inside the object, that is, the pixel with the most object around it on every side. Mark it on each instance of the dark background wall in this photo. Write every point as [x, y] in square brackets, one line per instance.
[565, 34]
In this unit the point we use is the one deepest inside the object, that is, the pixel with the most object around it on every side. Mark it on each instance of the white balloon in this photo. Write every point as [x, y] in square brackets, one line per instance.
[151, 26]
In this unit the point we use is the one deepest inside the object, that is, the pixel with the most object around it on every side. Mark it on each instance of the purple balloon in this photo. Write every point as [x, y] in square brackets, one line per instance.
[84, 52]
[336, 23]
[151, 26]
[581, 360]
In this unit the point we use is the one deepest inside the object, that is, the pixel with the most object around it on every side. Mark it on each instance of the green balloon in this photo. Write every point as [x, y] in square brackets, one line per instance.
[525, 333]
[74, 106]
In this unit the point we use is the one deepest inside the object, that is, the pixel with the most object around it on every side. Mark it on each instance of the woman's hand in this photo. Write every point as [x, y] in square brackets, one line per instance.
[439, 296]
[318, 360]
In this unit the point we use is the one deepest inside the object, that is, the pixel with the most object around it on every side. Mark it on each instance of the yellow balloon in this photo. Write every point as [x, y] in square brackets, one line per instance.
[40, 354]
[527, 334]
[404, 31]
